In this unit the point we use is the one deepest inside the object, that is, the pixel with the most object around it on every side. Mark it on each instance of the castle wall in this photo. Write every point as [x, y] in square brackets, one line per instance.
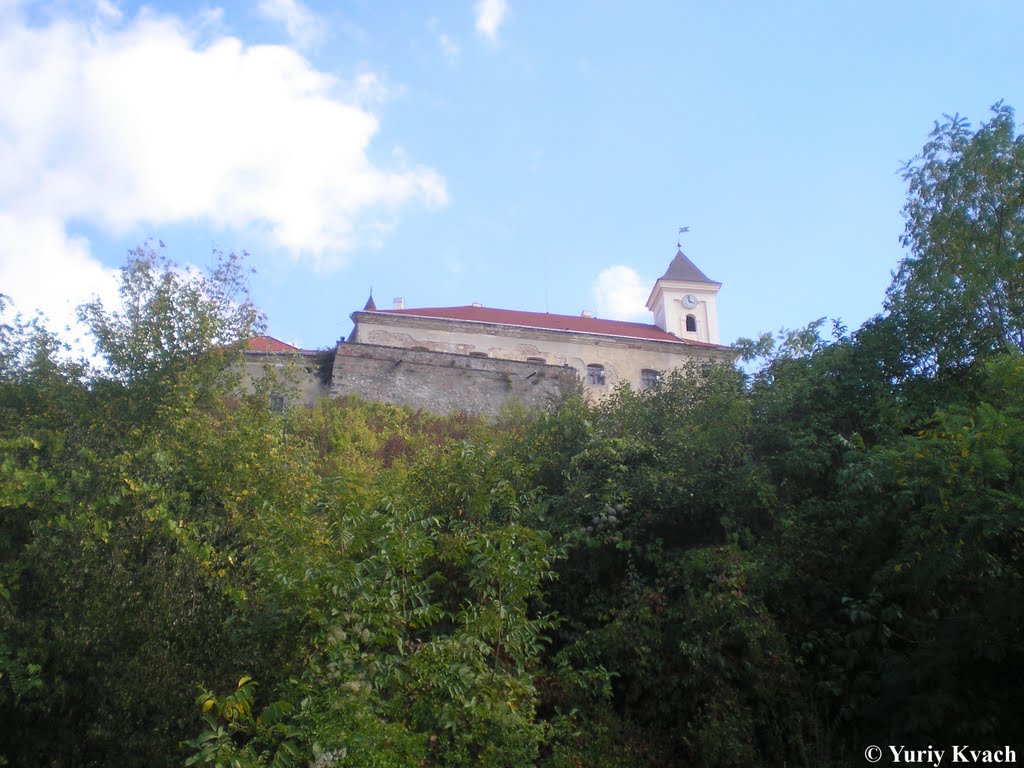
[442, 382]
[292, 376]
[623, 359]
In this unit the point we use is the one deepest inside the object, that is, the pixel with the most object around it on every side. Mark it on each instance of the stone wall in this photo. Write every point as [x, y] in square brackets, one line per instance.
[623, 358]
[293, 376]
[442, 382]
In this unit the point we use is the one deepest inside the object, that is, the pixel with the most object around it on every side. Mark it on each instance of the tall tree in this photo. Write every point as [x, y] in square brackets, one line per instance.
[959, 293]
[172, 317]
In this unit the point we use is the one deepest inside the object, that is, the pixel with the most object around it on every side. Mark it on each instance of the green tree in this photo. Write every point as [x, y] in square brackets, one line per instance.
[176, 337]
[959, 293]
[116, 537]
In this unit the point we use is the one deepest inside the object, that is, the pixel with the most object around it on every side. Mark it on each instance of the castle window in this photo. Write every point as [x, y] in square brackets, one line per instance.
[691, 324]
[649, 378]
[595, 374]
[539, 360]
[478, 354]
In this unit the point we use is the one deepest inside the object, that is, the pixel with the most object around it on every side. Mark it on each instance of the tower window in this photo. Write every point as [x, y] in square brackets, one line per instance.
[691, 324]
[649, 378]
[595, 374]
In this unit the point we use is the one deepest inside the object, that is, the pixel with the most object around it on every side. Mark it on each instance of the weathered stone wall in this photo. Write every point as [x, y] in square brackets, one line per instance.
[293, 376]
[442, 382]
[624, 359]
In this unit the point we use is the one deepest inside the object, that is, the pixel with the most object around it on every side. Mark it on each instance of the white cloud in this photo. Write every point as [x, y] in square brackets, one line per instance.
[621, 294]
[489, 17]
[449, 48]
[303, 27]
[108, 10]
[44, 269]
[121, 124]
[368, 89]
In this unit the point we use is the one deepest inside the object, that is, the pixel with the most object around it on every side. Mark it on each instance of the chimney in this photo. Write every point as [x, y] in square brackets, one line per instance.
[399, 303]
[586, 314]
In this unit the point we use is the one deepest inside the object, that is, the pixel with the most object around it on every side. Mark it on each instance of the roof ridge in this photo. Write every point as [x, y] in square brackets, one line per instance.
[544, 321]
[411, 310]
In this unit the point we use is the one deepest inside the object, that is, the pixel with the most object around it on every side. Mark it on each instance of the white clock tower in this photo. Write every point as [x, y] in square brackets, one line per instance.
[683, 302]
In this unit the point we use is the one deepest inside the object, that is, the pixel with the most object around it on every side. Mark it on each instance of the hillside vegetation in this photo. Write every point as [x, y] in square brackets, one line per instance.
[775, 569]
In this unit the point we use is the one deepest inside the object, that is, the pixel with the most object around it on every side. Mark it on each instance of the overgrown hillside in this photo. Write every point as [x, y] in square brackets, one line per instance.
[727, 570]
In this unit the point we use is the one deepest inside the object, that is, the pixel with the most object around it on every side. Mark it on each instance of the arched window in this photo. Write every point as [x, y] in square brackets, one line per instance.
[649, 378]
[595, 374]
[691, 324]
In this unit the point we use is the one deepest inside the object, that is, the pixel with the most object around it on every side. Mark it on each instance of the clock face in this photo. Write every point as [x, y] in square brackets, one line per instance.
[689, 301]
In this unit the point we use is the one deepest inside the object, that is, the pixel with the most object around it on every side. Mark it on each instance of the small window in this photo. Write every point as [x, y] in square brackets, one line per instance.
[691, 324]
[478, 354]
[277, 403]
[649, 378]
[595, 374]
[539, 360]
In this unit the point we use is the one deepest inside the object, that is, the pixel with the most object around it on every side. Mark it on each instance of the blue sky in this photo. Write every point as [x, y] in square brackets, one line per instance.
[526, 155]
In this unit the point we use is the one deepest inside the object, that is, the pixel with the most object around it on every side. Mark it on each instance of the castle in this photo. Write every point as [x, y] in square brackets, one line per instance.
[475, 358]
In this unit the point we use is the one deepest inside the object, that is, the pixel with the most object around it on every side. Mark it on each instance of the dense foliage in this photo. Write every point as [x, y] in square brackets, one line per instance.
[726, 570]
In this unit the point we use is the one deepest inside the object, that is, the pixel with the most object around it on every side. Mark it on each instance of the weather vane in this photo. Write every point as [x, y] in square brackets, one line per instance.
[682, 231]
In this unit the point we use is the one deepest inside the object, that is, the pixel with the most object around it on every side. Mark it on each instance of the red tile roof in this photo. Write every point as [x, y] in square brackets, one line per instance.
[269, 344]
[547, 321]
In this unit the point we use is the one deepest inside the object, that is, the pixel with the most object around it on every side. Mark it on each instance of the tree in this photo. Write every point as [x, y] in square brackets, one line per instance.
[959, 294]
[172, 317]
[116, 532]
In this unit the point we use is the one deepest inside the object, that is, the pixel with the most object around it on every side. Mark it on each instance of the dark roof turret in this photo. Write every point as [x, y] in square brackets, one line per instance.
[684, 270]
